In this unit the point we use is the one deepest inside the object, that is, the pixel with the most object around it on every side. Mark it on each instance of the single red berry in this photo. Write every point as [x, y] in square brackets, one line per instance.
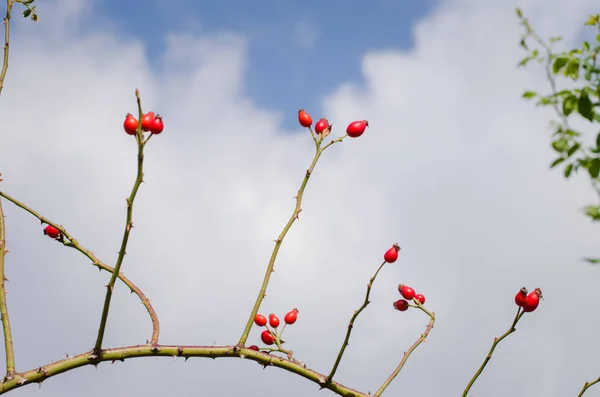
[321, 126]
[51, 232]
[401, 305]
[532, 301]
[147, 120]
[260, 320]
[273, 320]
[267, 337]
[130, 124]
[157, 125]
[253, 347]
[391, 255]
[304, 118]
[291, 317]
[420, 298]
[406, 292]
[356, 128]
[521, 296]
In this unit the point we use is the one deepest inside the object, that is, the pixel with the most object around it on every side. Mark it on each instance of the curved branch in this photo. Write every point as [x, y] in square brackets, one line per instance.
[8, 343]
[587, 385]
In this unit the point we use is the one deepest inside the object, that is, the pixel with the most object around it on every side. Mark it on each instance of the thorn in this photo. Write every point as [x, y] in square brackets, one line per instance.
[186, 359]
[22, 381]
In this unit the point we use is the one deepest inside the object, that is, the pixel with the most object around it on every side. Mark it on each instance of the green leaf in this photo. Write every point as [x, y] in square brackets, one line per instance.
[569, 104]
[593, 261]
[585, 106]
[555, 39]
[558, 64]
[568, 170]
[560, 145]
[598, 140]
[593, 20]
[26, 13]
[598, 38]
[519, 12]
[594, 167]
[529, 94]
[557, 162]
[593, 211]
[573, 149]
[572, 69]
[572, 133]
[585, 46]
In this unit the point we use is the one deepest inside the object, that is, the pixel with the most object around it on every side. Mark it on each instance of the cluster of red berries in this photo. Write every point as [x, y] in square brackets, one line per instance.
[150, 122]
[51, 232]
[528, 301]
[354, 129]
[267, 336]
[408, 294]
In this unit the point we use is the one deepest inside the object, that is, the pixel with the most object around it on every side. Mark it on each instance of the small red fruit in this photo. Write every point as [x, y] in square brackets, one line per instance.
[130, 124]
[147, 120]
[267, 337]
[51, 232]
[321, 126]
[420, 298]
[356, 128]
[304, 118]
[260, 320]
[401, 305]
[532, 301]
[521, 296]
[406, 292]
[253, 347]
[273, 320]
[391, 255]
[157, 125]
[291, 317]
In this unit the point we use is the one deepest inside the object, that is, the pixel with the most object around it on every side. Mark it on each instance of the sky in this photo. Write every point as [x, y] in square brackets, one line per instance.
[454, 167]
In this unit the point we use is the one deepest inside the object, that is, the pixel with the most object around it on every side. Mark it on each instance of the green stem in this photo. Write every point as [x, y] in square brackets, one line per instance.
[407, 353]
[8, 343]
[39, 374]
[263, 289]
[128, 225]
[351, 324]
[73, 243]
[587, 385]
[9, 4]
[489, 355]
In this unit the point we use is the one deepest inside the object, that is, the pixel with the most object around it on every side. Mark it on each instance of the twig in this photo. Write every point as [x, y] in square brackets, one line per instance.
[263, 289]
[489, 355]
[73, 243]
[351, 324]
[44, 372]
[587, 385]
[9, 4]
[407, 354]
[128, 225]
[8, 343]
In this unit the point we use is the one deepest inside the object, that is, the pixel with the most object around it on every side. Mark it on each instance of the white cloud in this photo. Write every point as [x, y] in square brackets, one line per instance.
[454, 167]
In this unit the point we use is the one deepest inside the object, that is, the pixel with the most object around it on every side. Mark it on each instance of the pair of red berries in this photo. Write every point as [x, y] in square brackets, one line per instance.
[354, 129]
[528, 301]
[391, 255]
[408, 294]
[51, 232]
[150, 122]
[267, 336]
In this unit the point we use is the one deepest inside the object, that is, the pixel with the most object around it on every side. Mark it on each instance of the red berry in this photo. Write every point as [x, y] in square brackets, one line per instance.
[291, 317]
[532, 301]
[356, 128]
[51, 231]
[321, 126]
[391, 255]
[157, 125]
[267, 337]
[260, 320]
[147, 120]
[304, 118]
[420, 298]
[401, 305]
[521, 296]
[406, 292]
[130, 124]
[253, 347]
[273, 320]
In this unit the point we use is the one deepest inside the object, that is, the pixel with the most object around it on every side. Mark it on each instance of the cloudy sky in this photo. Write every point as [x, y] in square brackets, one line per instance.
[454, 167]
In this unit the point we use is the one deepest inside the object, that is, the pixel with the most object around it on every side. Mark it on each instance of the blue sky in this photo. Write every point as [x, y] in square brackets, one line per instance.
[297, 52]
